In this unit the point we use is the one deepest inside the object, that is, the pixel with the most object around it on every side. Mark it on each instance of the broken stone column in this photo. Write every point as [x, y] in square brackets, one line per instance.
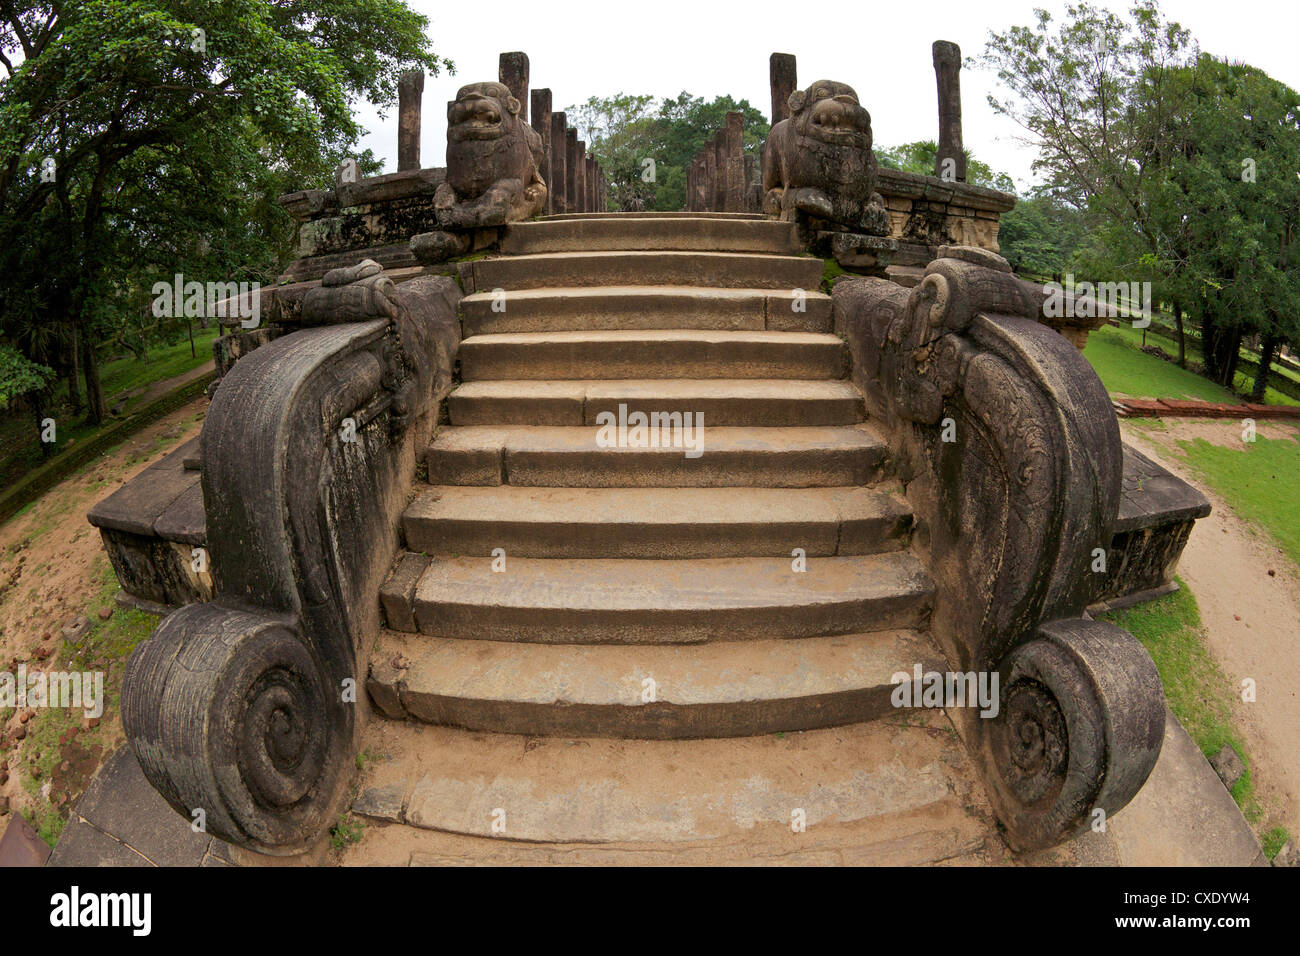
[410, 90]
[571, 170]
[541, 122]
[513, 72]
[591, 184]
[710, 179]
[720, 171]
[559, 164]
[580, 176]
[734, 146]
[950, 164]
[753, 185]
[783, 76]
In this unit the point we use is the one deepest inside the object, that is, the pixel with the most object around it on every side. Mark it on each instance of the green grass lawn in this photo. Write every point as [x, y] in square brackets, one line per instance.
[1124, 369]
[164, 362]
[20, 449]
[1258, 480]
[1198, 692]
[1242, 382]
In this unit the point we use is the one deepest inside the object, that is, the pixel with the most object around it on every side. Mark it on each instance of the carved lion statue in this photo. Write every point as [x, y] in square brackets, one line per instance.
[819, 161]
[493, 158]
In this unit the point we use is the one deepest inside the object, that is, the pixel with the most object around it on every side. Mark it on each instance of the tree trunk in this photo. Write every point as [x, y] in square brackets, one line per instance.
[75, 397]
[96, 411]
[1260, 387]
[1182, 338]
[1232, 358]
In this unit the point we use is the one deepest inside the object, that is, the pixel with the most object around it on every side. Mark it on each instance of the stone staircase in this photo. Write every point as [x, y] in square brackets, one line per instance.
[609, 599]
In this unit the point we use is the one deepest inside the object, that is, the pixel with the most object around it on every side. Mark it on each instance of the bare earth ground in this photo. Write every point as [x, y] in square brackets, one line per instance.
[52, 567]
[1251, 618]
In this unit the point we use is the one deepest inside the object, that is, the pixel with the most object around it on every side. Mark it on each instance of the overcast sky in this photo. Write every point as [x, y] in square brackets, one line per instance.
[580, 49]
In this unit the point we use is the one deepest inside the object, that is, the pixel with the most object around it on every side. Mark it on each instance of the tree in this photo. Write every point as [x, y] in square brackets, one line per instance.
[625, 131]
[922, 155]
[1151, 140]
[131, 129]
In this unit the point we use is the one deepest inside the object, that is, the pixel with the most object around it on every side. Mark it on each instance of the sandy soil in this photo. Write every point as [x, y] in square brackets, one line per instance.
[52, 566]
[1251, 617]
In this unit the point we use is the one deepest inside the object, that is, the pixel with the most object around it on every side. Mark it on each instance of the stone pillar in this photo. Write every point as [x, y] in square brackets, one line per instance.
[604, 193]
[720, 171]
[753, 185]
[513, 72]
[410, 90]
[784, 79]
[734, 137]
[571, 170]
[699, 200]
[591, 184]
[541, 121]
[710, 179]
[580, 176]
[559, 164]
[947, 73]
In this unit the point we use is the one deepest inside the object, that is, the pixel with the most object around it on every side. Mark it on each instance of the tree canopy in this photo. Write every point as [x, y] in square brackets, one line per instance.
[624, 131]
[140, 138]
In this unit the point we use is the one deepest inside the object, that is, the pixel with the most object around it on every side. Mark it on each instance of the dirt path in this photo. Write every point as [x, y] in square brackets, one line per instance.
[1251, 617]
[52, 569]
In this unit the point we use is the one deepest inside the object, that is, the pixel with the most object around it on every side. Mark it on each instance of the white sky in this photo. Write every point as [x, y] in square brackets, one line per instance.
[582, 48]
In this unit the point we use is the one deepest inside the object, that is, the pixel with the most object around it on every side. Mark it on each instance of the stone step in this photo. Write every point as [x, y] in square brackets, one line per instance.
[722, 402]
[651, 214]
[729, 689]
[680, 233]
[729, 270]
[633, 601]
[571, 457]
[644, 307]
[534, 522]
[651, 354]
[881, 793]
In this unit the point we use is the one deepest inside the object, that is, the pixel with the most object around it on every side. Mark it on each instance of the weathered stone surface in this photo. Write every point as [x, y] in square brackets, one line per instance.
[302, 528]
[541, 122]
[1009, 513]
[493, 158]
[512, 71]
[950, 163]
[819, 165]
[804, 456]
[1227, 763]
[730, 689]
[645, 523]
[381, 803]
[439, 246]
[1184, 816]
[410, 90]
[559, 165]
[783, 76]
[21, 846]
[1156, 513]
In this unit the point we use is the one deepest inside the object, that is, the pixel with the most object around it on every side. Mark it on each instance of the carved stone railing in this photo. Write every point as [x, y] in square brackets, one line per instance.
[1010, 452]
[243, 711]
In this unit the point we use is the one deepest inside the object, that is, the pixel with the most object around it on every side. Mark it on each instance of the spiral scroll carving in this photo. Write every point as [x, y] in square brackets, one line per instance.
[1078, 729]
[228, 713]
